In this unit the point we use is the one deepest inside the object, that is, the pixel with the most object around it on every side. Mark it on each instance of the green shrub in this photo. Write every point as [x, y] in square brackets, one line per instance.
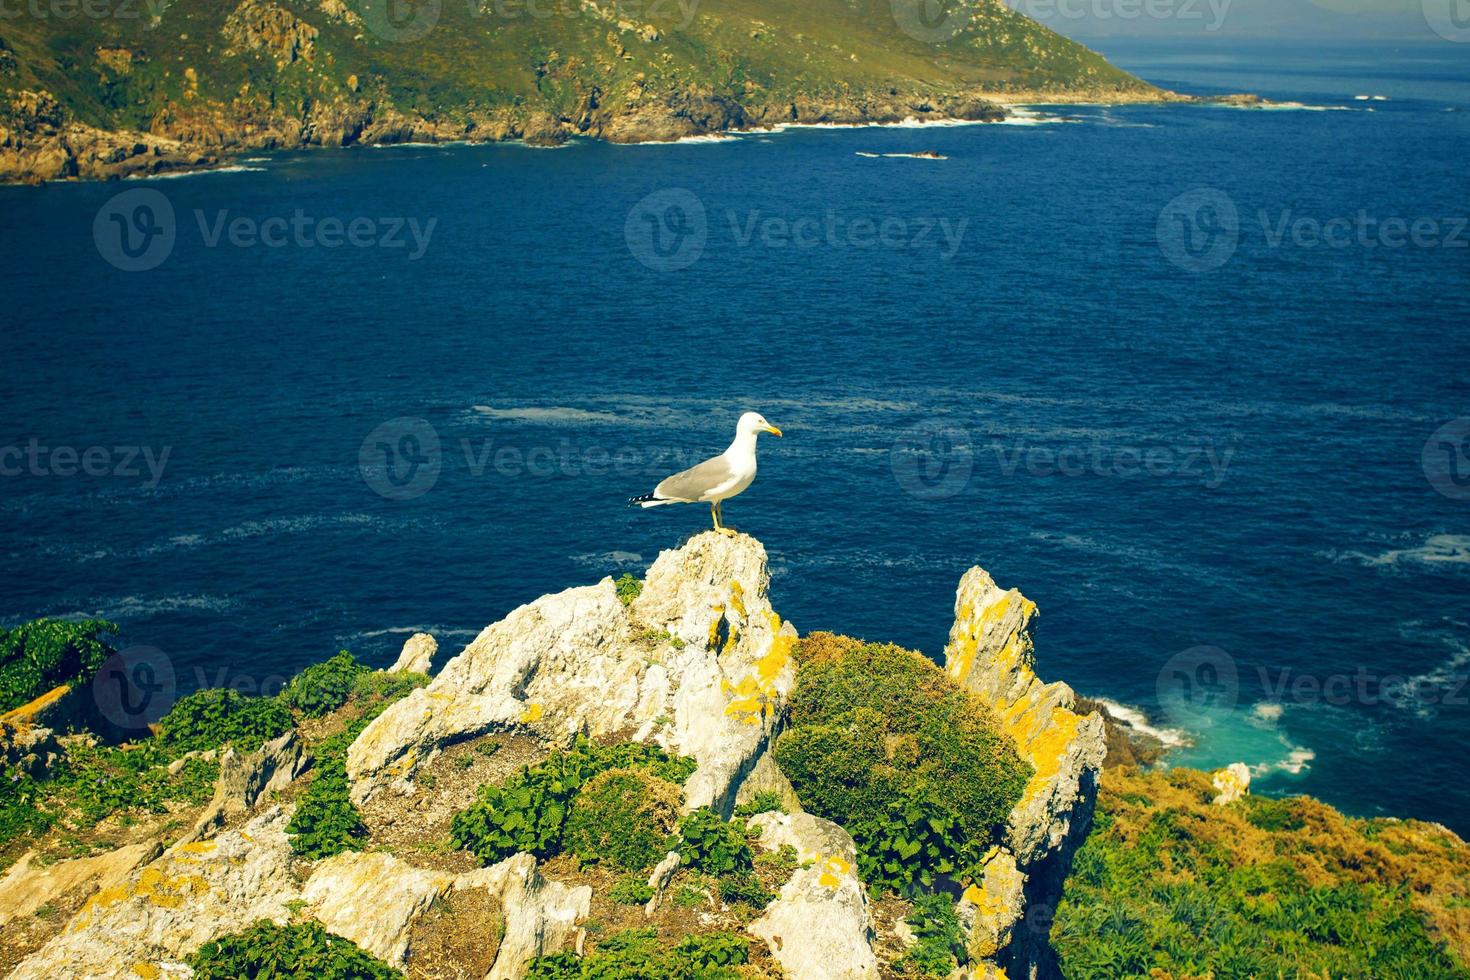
[97, 781]
[761, 803]
[45, 653]
[303, 950]
[639, 954]
[326, 821]
[745, 887]
[324, 687]
[713, 845]
[629, 587]
[630, 891]
[941, 941]
[217, 716]
[882, 742]
[529, 811]
[387, 685]
[1168, 884]
[623, 817]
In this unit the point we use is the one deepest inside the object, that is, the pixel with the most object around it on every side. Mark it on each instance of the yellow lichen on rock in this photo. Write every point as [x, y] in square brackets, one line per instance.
[755, 696]
[831, 870]
[532, 714]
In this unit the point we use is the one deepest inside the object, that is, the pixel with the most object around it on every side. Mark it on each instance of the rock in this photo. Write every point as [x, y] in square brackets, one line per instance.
[541, 916]
[27, 887]
[993, 907]
[194, 893]
[820, 926]
[659, 880]
[261, 26]
[699, 662]
[417, 656]
[33, 749]
[1233, 782]
[990, 653]
[244, 779]
[372, 899]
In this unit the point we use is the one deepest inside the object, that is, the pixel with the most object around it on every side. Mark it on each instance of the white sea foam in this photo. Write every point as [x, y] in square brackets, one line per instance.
[553, 415]
[134, 607]
[238, 168]
[603, 559]
[1268, 712]
[1298, 760]
[1442, 550]
[687, 140]
[1135, 719]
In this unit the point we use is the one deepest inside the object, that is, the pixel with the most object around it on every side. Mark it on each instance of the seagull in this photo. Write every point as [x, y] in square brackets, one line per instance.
[718, 479]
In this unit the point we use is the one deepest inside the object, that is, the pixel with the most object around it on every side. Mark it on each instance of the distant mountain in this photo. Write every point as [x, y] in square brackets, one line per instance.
[190, 79]
[1285, 19]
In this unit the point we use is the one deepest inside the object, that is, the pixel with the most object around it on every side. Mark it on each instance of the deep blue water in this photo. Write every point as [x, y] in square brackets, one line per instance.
[1199, 470]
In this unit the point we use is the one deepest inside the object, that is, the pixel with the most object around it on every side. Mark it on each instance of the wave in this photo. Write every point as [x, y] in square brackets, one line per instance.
[237, 168]
[135, 607]
[603, 559]
[553, 415]
[1437, 550]
[1134, 718]
[687, 140]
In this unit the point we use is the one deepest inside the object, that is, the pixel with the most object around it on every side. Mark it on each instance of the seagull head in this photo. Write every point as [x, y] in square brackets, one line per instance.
[752, 423]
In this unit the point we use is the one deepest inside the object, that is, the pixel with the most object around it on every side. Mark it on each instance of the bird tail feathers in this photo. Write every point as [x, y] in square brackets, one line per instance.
[649, 500]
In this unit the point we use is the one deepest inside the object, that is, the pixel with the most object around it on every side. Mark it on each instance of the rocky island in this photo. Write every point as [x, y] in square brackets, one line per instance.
[662, 778]
[141, 88]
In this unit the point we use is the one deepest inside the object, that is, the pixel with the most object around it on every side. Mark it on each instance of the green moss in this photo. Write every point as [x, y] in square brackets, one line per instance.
[301, 950]
[40, 655]
[623, 817]
[882, 742]
[761, 803]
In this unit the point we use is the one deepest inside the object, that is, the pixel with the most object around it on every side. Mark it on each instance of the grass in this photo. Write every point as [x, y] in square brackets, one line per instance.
[1169, 885]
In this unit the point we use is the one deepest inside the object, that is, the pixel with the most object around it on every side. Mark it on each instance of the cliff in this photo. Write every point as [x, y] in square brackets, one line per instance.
[184, 83]
[698, 663]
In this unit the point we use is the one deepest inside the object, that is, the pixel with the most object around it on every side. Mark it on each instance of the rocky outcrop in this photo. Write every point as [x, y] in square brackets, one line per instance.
[698, 663]
[1233, 783]
[264, 27]
[39, 141]
[417, 656]
[374, 900]
[29, 885]
[991, 653]
[245, 779]
[170, 907]
[820, 927]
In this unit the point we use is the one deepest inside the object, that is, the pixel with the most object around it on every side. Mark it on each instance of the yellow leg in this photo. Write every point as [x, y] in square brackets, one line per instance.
[717, 511]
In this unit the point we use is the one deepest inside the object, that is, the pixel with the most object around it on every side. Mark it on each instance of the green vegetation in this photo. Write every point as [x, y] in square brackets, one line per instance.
[326, 821]
[715, 846]
[305, 949]
[45, 653]
[529, 812]
[941, 941]
[324, 687]
[761, 803]
[883, 743]
[631, 890]
[623, 817]
[744, 886]
[639, 954]
[629, 588]
[219, 716]
[1169, 885]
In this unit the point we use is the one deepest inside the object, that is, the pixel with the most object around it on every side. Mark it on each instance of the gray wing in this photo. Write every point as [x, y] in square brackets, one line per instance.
[691, 485]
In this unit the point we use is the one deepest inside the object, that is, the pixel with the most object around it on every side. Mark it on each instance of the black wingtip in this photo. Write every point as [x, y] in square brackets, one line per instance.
[635, 501]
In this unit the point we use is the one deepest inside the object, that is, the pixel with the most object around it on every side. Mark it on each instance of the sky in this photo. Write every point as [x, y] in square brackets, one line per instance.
[1293, 19]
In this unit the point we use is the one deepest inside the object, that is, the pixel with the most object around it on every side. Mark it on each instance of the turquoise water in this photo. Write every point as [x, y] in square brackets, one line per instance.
[1174, 372]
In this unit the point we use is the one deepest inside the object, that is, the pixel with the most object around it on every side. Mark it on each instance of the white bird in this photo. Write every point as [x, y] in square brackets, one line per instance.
[718, 479]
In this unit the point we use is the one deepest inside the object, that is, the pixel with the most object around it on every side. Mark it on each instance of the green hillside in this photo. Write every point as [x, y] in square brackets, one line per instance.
[252, 73]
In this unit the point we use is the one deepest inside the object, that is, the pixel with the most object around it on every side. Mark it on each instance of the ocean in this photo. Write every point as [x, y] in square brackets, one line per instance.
[1194, 379]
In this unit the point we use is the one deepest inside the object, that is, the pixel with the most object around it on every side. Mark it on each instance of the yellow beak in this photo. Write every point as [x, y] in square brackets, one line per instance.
[772, 429]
